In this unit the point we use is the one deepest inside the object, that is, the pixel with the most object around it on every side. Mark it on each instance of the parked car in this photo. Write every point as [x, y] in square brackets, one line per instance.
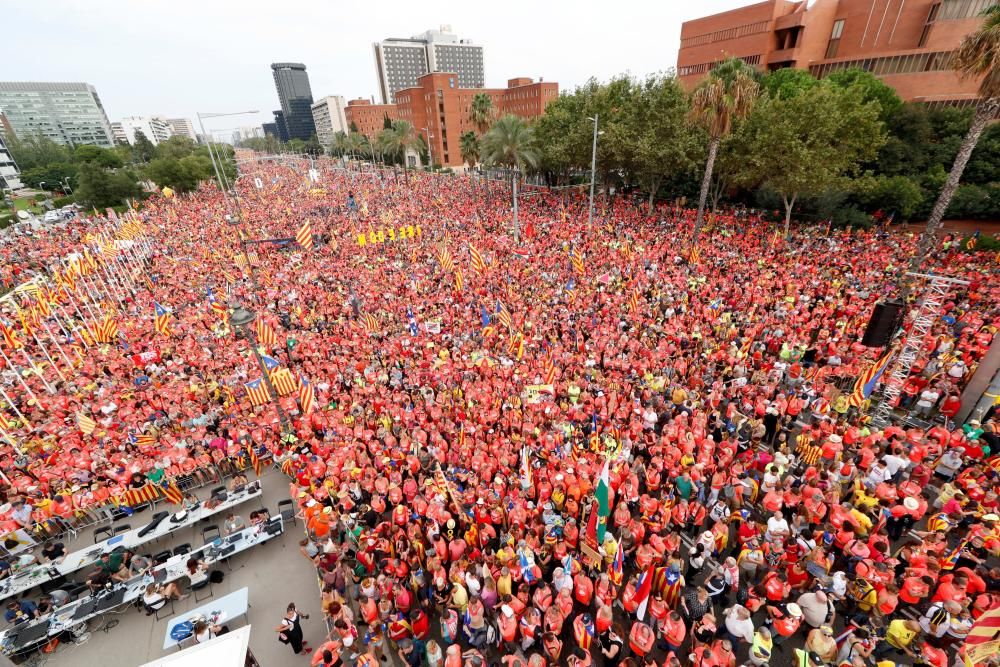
[52, 216]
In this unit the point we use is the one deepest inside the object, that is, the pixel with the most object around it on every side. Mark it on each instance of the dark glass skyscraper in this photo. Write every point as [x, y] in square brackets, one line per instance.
[295, 95]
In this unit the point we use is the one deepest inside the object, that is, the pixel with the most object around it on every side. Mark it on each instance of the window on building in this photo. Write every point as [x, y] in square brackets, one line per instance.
[834, 43]
[928, 24]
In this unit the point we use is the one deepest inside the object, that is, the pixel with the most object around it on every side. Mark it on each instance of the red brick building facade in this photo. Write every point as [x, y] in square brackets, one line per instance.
[439, 110]
[367, 117]
[905, 43]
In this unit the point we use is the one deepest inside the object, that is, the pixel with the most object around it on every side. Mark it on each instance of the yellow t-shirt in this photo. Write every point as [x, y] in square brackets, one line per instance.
[898, 635]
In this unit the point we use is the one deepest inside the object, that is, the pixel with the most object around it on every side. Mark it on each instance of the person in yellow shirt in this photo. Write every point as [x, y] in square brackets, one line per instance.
[864, 522]
[900, 637]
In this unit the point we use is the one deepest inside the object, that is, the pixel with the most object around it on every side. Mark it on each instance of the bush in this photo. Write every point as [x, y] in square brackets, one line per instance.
[985, 243]
[59, 202]
[852, 217]
[976, 202]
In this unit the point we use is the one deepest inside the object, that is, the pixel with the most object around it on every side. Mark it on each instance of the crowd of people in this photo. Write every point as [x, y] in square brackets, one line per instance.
[562, 445]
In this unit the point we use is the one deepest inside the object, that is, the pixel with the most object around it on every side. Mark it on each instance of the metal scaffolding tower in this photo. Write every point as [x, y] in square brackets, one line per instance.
[928, 310]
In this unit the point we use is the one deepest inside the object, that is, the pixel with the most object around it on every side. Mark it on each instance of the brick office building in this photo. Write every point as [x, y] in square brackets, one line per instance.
[905, 43]
[439, 110]
[368, 118]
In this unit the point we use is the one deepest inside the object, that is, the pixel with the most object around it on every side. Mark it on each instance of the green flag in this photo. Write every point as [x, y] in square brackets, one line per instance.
[601, 493]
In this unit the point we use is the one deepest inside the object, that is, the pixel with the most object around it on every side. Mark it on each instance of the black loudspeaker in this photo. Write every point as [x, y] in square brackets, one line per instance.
[886, 318]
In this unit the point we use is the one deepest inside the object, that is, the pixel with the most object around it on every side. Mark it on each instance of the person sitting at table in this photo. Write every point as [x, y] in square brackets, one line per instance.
[156, 596]
[197, 571]
[205, 631]
[124, 572]
[23, 610]
[5, 568]
[238, 480]
[53, 551]
[258, 517]
[58, 598]
[138, 565]
[233, 524]
[21, 514]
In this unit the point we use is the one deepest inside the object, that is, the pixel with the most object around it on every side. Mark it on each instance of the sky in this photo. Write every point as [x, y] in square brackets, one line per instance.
[151, 57]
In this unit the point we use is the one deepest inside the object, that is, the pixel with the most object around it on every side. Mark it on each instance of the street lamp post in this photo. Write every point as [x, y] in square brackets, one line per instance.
[241, 319]
[593, 171]
[201, 123]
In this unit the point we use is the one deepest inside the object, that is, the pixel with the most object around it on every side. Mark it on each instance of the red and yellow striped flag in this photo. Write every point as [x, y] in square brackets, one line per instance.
[254, 459]
[304, 236]
[86, 423]
[478, 263]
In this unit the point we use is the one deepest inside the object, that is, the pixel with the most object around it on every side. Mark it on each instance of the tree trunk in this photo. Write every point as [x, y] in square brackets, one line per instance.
[654, 187]
[789, 205]
[986, 111]
[517, 223]
[717, 190]
[706, 181]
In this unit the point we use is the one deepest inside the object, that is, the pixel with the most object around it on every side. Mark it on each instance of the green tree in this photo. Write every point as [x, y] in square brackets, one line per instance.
[102, 157]
[872, 89]
[386, 122]
[977, 56]
[339, 144]
[176, 148]
[53, 175]
[399, 139]
[899, 195]
[788, 82]
[725, 97]
[481, 112]
[182, 175]
[510, 143]
[805, 144]
[651, 135]
[142, 148]
[35, 150]
[296, 145]
[469, 145]
[100, 187]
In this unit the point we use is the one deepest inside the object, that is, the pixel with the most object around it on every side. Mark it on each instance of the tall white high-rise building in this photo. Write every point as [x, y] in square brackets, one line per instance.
[182, 127]
[155, 128]
[328, 115]
[67, 113]
[400, 62]
[10, 175]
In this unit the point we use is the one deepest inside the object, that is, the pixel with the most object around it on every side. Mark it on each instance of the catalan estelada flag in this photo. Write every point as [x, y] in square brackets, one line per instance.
[550, 369]
[864, 386]
[503, 314]
[576, 259]
[304, 237]
[283, 381]
[161, 319]
[459, 282]
[478, 263]
[257, 392]
[265, 334]
[306, 395]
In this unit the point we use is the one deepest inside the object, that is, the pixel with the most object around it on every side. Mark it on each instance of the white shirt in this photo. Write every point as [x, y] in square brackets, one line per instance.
[776, 526]
[894, 463]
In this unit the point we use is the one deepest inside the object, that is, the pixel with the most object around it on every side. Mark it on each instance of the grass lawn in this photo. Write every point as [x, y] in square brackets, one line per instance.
[21, 204]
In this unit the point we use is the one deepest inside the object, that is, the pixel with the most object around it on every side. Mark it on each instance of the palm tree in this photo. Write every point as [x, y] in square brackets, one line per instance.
[511, 143]
[355, 143]
[977, 56]
[469, 145]
[339, 146]
[398, 139]
[481, 112]
[725, 97]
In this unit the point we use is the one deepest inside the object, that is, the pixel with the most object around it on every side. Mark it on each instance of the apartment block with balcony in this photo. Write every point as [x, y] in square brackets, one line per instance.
[906, 43]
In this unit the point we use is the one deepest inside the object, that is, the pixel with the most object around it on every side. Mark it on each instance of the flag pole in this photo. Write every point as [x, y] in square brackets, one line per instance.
[19, 377]
[14, 407]
[52, 338]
